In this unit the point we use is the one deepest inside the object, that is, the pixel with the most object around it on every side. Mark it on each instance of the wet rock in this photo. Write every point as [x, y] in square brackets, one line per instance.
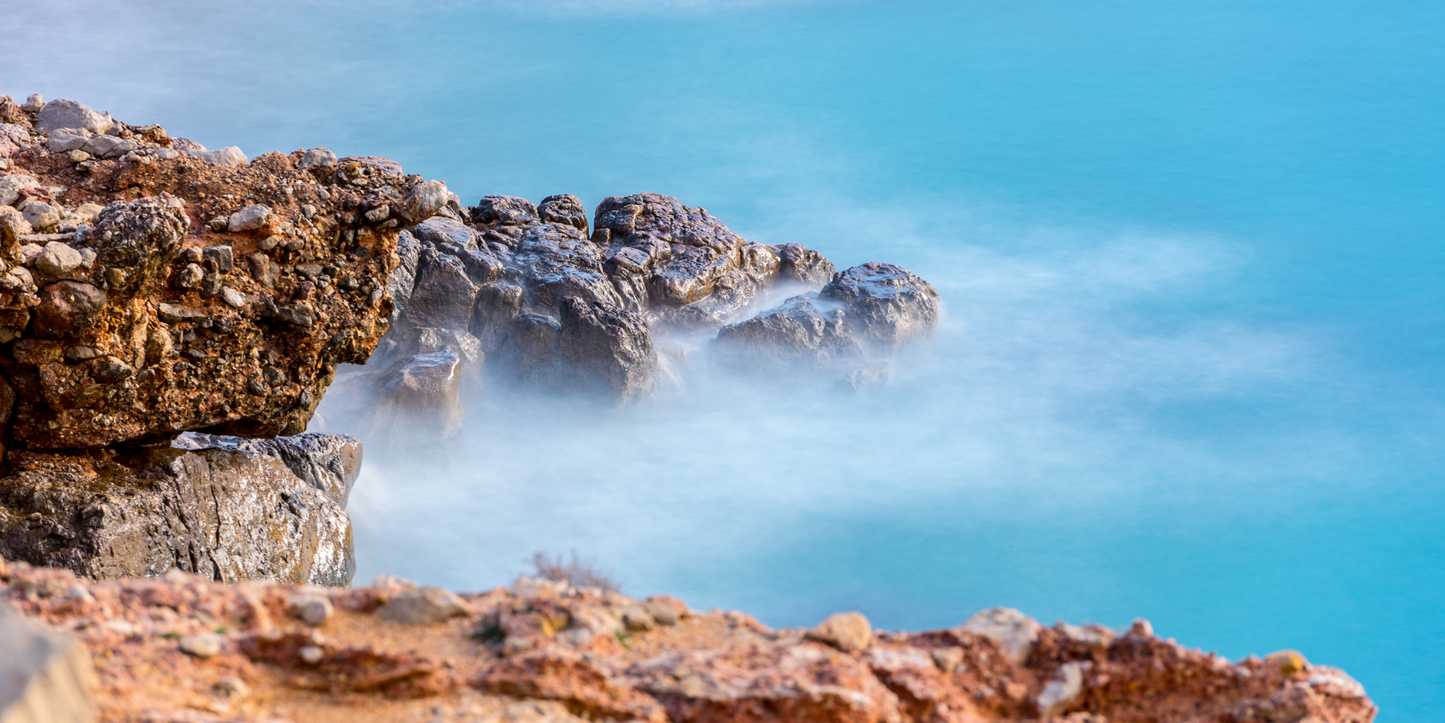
[441, 298]
[498, 305]
[219, 514]
[796, 336]
[417, 398]
[1013, 631]
[61, 113]
[67, 308]
[885, 306]
[564, 209]
[848, 632]
[504, 211]
[45, 676]
[801, 265]
[423, 606]
[606, 350]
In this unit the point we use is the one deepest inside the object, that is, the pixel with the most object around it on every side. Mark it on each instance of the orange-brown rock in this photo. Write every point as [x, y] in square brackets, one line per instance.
[546, 651]
[201, 296]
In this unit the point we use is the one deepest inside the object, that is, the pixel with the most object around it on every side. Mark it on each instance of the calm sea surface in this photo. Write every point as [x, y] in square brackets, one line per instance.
[1192, 256]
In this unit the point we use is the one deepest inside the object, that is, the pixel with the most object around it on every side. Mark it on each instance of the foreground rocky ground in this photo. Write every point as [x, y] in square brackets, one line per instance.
[182, 649]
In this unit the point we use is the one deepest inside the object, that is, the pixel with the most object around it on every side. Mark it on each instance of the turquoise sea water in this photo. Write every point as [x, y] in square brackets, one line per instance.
[1191, 254]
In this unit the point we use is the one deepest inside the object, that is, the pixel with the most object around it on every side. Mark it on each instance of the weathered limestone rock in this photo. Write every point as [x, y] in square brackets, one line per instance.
[141, 324]
[423, 606]
[219, 514]
[795, 336]
[329, 463]
[848, 632]
[885, 305]
[1012, 630]
[45, 677]
[61, 113]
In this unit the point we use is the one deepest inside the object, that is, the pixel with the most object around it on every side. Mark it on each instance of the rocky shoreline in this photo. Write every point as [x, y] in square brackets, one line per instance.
[172, 319]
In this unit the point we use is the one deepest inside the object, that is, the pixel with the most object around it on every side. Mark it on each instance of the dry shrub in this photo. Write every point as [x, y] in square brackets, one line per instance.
[575, 571]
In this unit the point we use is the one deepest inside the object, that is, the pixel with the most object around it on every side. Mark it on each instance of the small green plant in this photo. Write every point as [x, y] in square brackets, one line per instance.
[172, 635]
[622, 638]
[222, 630]
[491, 635]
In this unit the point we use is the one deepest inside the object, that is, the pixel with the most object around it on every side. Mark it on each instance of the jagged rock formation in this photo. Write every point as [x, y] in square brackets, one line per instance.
[545, 305]
[544, 651]
[149, 287]
[227, 515]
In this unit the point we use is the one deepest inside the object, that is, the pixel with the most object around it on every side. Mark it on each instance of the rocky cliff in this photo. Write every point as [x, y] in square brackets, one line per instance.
[149, 287]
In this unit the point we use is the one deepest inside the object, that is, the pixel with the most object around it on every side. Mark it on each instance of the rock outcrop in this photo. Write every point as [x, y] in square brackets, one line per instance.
[227, 515]
[150, 287]
[545, 651]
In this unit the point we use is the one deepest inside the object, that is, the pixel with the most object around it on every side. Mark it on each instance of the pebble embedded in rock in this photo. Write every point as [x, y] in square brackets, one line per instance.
[318, 157]
[228, 156]
[1012, 630]
[189, 277]
[68, 307]
[58, 259]
[249, 218]
[423, 605]
[312, 609]
[1286, 661]
[203, 645]
[310, 654]
[234, 298]
[849, 632]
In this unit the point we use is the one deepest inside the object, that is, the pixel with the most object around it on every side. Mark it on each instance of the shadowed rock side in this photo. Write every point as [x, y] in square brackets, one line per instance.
[544, 651]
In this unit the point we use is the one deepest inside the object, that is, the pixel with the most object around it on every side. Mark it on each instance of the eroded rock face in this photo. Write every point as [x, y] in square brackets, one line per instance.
[220, 514]
[181, 294]
[885, 305]
[330, 463]
[796, 336]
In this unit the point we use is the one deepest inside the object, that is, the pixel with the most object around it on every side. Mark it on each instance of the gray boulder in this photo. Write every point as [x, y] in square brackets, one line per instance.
[564, 209]
[884, 305]
[504, 211]
[403, 278]
[61, 113]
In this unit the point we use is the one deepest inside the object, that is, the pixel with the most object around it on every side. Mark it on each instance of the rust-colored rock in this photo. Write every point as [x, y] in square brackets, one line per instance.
[565, 650]
[201, 297]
